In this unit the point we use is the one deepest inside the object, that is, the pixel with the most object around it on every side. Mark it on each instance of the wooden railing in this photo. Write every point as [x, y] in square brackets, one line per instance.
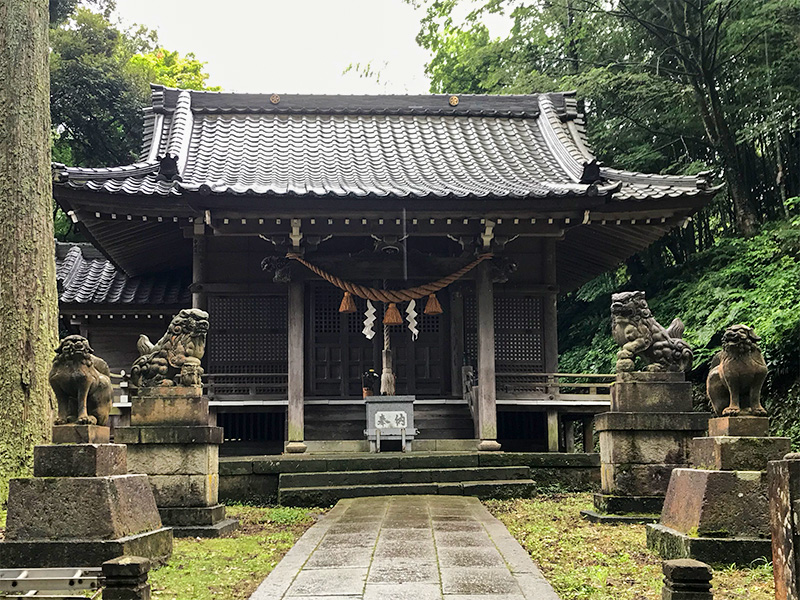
[241, 387]
[221, 387]
[561, 387]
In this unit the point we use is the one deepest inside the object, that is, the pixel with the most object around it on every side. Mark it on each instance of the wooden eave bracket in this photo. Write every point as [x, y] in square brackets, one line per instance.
[488, 235]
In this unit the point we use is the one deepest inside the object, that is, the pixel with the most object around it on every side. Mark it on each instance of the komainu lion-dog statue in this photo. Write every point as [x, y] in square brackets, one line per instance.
[638, 333]
[175, 358]
[737, 373]
[81, 382]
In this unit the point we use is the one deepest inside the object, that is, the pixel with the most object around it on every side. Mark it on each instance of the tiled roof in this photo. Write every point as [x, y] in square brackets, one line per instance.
[370, 146]
[87, 277]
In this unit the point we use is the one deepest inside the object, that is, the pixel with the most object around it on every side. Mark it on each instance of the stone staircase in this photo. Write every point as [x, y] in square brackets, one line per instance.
[407, 474]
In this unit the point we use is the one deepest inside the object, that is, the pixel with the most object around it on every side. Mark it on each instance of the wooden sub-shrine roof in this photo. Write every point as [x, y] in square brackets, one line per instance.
[85, 277]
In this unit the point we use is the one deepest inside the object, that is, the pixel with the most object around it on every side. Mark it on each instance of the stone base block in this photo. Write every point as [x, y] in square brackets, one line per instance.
[170, 406]
[81, 434]
[737, 453]
[697, 423]
[636, 480]
[719, 504]
[185, 490]
[739, 426]
[79, 460]
[184, 434]
[645, 447]
[15, 554]
[488, 446]
[609, 519]
[169, 459]
[651, 393]
[671, 544]
[610, 504]
[84, 508]
[195, 515]
[295, 447]
[220, 529]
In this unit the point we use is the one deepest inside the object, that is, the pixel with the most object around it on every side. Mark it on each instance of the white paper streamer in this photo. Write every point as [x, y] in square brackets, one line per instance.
[369, 321]
[411, 317]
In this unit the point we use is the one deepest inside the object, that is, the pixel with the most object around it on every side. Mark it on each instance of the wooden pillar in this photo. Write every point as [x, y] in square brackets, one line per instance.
[457, 340]
[295, 416]
[550, 307]
[552, 430]
[588, 434]
[487, 402]
[199, 243]
[569, 435]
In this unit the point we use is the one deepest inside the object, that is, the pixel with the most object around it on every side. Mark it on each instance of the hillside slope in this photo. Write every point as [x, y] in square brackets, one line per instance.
[755, 281]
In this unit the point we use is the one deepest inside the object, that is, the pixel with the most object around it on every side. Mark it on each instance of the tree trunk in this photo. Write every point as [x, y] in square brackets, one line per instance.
[28, 298]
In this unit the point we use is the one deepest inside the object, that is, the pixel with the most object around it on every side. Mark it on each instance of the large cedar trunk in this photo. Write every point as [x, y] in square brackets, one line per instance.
[28, 299]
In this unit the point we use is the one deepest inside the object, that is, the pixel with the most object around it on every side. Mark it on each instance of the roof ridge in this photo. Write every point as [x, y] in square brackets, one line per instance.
[180, 133]
[165, 99]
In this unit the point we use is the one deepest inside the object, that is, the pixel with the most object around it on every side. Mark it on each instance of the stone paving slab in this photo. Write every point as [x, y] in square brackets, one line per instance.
[406, 547]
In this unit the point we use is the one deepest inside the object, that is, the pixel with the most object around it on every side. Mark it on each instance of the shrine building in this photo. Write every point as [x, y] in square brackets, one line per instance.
[302, 223]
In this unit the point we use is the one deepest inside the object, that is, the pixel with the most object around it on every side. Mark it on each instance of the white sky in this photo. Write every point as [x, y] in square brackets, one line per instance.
[291, 46]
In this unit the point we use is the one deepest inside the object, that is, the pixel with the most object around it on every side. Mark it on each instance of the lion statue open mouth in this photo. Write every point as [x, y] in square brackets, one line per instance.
[737, 373]
[81, 382]
[638, 333]
[175, 358]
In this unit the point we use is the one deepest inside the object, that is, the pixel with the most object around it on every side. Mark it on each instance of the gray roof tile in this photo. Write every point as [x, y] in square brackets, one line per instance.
[86, 277]
[378, 146]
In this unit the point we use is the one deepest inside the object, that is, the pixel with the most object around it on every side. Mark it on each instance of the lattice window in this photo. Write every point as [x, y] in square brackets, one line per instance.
[326, 311]
[470, 329]
[248, 334]
[519, 332]
[430, 323]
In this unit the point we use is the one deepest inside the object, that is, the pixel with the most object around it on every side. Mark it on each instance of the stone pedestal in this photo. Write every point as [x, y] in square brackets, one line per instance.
[643, 438]
[718, 510]
[171, 441]
[81, 508]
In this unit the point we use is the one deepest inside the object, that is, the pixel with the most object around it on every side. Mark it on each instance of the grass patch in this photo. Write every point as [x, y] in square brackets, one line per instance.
[231, 568]
[586, 561]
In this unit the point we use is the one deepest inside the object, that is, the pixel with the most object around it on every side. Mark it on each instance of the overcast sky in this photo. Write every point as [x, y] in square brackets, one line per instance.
[291, 46]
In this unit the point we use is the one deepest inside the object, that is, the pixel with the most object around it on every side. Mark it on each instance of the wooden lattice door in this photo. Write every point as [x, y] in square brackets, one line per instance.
[421, 366]
[340, 353]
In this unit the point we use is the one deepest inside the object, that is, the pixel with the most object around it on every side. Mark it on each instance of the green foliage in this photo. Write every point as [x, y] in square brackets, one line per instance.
[754, 281]
[171, 69]
[100, 78]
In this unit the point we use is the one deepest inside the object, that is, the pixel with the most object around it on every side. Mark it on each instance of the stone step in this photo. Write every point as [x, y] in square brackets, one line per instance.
[401, 476]
[326, 496]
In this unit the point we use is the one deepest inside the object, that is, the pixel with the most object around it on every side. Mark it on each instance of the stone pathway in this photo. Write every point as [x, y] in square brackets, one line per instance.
[406, 548]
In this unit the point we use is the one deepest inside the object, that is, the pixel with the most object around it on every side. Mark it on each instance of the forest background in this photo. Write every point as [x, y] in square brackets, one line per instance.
[675, 86]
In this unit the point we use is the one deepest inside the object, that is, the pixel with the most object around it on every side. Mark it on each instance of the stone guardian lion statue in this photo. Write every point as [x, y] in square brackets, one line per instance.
[737, 373]
[81, 382]
[638, 333]
[175, 358]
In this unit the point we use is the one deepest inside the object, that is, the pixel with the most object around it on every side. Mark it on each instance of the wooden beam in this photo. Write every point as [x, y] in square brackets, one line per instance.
[199, 274]
[456, 339]
[550, 309]
[552, 430]
[487, 392]
[588, 434]
[569, 435]
[295, 411]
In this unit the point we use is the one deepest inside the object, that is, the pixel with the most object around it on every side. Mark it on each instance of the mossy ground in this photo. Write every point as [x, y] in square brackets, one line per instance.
[230, 568]
[583, 561]
[586, 561]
